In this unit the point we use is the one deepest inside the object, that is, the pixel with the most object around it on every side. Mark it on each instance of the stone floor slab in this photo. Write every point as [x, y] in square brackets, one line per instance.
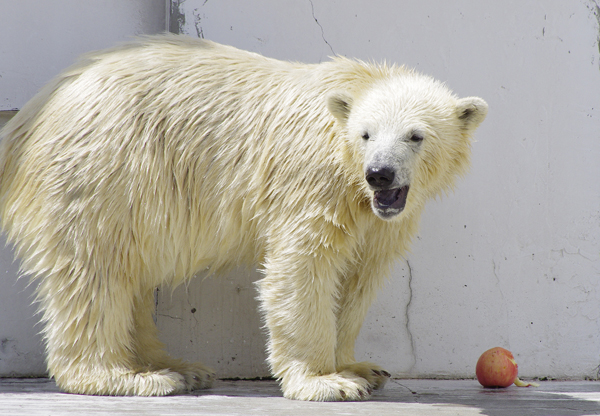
[37, 397]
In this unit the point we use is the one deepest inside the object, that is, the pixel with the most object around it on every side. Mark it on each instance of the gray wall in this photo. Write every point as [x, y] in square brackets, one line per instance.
[512, 258]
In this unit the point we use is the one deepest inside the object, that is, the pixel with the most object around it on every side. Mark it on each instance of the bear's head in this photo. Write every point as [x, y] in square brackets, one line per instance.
[409, 138]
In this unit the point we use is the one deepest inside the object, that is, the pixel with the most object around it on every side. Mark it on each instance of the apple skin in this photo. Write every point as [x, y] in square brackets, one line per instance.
[496, 368]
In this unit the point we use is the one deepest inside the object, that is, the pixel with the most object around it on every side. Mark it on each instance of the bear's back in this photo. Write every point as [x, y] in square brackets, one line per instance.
[172, 142]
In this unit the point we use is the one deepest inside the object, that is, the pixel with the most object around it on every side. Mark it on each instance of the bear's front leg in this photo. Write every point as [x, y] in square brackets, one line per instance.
[356, 296]
[299, 300]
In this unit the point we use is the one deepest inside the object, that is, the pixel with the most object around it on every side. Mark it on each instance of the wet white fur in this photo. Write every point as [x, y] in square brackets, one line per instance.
[143, 164]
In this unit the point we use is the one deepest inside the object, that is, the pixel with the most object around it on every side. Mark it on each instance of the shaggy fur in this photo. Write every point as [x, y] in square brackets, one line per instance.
[145, 163]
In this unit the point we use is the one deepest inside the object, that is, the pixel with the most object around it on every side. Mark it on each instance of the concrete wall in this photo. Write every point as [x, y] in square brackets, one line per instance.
[512, 258]
[40, 38]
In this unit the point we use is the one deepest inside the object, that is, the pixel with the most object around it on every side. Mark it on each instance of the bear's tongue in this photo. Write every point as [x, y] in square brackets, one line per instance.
[391, 198]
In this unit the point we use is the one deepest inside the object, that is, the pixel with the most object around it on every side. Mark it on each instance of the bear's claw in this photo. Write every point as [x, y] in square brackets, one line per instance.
[197, 376]
[375, 375]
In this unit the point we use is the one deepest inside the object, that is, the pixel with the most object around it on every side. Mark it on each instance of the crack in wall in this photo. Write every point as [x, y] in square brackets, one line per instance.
[498, 282]
[506, 311]
[191, 307]
[413, 347]
[597, 14]
[594, 7]
[165, 315]
[563, 252]
[156, 301]
[197, 21]
[312, 6]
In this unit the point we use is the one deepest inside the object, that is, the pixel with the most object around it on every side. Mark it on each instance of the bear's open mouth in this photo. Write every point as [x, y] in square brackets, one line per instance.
[390, 201]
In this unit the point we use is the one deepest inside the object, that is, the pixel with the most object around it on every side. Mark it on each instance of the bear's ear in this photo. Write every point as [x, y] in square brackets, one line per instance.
[471, 111]
[339, 104]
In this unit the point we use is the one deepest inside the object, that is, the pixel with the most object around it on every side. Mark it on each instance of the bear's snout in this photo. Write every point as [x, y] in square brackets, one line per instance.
[380, 177]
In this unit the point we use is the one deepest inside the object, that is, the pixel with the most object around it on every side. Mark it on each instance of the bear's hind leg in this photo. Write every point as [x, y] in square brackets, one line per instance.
[150, 351]
[88, 330]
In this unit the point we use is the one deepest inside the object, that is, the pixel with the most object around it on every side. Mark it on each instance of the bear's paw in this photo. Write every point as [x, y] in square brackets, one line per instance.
[120, 382]
[155, 383]
[339, 386]
[197, 376]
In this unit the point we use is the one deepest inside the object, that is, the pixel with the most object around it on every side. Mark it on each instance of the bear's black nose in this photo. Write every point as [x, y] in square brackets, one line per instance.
[380, 178]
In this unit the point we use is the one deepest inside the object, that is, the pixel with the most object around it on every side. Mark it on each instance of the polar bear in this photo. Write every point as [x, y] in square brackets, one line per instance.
[146, 163]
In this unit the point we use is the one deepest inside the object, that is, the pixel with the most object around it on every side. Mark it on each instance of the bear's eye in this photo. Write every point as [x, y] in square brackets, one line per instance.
[416, 138]
[366, 136]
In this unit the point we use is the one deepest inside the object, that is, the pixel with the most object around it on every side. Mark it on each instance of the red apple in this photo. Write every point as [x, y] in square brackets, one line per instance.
[496, 368]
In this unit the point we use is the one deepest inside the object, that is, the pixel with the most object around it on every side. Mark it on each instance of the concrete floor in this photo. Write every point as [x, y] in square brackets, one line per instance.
[33, 397]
